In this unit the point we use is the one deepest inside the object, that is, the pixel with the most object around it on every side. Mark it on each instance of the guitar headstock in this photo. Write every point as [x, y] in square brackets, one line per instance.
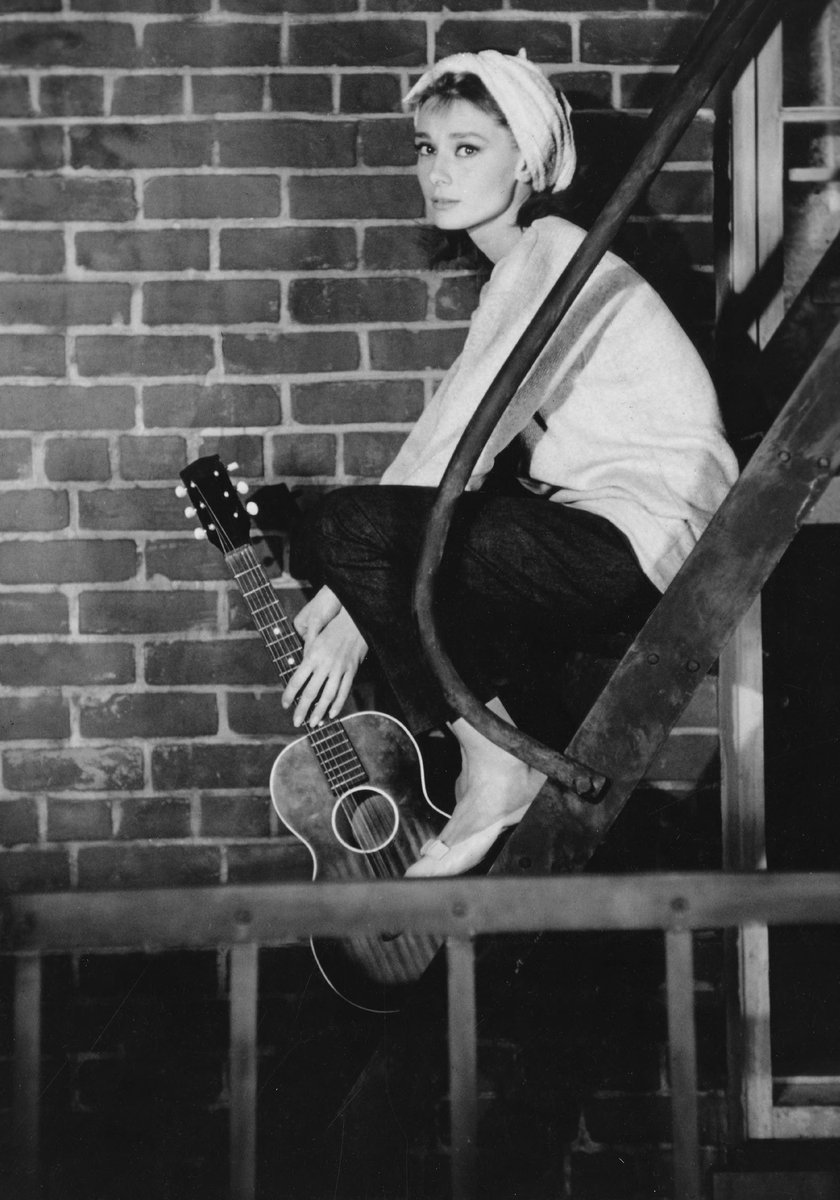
[214, 500]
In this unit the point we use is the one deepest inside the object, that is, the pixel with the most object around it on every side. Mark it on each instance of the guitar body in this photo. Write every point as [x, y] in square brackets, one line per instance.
[370, 830]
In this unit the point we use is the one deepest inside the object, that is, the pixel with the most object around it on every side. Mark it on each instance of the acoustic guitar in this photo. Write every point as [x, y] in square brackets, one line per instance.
[352, 790]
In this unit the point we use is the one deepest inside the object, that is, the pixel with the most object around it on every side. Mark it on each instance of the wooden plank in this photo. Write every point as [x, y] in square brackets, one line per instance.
[26, 1071]
[201, 917]
[777, 1185]
[682, 1057]
[243, 1070]
[463, 1082]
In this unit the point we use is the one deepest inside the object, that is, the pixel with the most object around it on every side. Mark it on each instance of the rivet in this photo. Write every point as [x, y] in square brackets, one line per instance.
[692, 665]
[784, 456]
[653, 659]
[823, 462]
[525, 863]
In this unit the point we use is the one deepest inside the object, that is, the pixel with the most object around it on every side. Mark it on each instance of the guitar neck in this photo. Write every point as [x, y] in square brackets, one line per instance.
[333, 749]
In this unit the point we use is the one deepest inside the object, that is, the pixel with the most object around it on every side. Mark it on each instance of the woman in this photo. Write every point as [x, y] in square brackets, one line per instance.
[621, 459]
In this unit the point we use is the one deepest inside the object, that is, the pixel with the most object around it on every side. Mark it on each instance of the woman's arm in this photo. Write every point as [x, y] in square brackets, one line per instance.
[333, 649]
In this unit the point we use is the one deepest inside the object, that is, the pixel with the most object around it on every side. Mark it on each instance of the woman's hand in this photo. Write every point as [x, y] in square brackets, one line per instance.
[333, 648]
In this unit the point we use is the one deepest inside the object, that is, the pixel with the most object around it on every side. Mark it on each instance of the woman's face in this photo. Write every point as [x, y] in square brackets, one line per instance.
[470, 171]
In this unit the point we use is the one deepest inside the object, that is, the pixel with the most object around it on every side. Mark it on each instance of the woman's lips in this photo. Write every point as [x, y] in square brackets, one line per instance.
[440, 202]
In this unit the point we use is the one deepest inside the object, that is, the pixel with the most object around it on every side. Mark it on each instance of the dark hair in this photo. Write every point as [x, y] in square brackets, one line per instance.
[456, 248]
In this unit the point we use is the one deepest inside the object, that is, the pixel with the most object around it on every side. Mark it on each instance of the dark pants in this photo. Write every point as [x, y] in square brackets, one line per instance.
[523, 582]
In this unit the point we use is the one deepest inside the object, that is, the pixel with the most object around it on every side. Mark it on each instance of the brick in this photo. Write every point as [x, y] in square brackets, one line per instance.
[584, 89]
[394, 248]
[85, 769]
[148, 866]
[288, 249]
[387, 143]
[204, 198]
[315, 6]
[146, 612]
[18, 822]
[183, 559]
[683, 242]
[456, 298]
[300, 93]
[294, 353]
[232, 661]
[48, 198]
[227, 93]
[31, 148]
[25, 717]
[681, 193]
[130, 508]
[644, 90]
[78, 820]
[349, 196]
[407, 350]
[67, 562]
[348, 301]
[645, 39]
[156, 818]
[156, 250]
[71, 95]
[547, 41]
[186, 44]
[134, 94]
[260, 713]
[356, 401]
[33, 612]
[151, 457]
[149, 715]
[370, 93]
[140, 146]
[34, 509]
[581, 5]
[188, 405]
[275, 142]
[211, 302]
[167, 7]
[244, 449]
[304, 454]
[235, 816]
[25, 253]
[27, 354]
[35, 871]
[63, 304]
[290, 600]
[140, 355]
[381, 43]
[68, 44]
[283, 860]
[14, 97]
[15, 458]
[56, 407]
[368, 454]
[212, 765]
[60, 664]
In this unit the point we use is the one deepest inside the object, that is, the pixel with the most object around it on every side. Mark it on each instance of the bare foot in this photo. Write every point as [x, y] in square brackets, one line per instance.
[493, 784]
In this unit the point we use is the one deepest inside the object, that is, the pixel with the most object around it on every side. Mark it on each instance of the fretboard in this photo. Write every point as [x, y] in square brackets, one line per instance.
[333, 749]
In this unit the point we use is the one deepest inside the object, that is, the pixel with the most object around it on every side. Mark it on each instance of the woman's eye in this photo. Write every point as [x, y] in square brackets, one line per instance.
[467, 151]
[423, 149]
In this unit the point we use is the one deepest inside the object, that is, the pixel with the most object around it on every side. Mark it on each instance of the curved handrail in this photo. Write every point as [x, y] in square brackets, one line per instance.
[718, 41]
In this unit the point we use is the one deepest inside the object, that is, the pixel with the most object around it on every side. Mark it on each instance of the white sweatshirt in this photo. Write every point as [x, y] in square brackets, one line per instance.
[618, 416]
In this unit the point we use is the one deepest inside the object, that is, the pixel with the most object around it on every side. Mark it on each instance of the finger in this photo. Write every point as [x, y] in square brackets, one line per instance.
[324, 701]
[309, 706]
[295, 683]
[341, 695]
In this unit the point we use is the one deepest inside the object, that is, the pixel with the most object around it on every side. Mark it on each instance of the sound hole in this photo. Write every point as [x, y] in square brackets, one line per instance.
[365, 819]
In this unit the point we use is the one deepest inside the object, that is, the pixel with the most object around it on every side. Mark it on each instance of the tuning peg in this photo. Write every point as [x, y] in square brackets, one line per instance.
[242, 487]
[233, 466]
[252, 508]
[180, 491]
[199, 534]
[189, 511]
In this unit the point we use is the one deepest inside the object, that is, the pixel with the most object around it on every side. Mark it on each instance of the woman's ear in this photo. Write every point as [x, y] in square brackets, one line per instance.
[521, 173]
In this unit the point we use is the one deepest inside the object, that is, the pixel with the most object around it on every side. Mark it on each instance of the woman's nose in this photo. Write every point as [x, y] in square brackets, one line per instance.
[439, 172]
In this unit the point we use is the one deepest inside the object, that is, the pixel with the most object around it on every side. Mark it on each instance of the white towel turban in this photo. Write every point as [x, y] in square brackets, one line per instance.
[538, 117]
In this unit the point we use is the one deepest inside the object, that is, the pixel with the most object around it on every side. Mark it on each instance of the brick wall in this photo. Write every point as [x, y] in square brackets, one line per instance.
[209, 242]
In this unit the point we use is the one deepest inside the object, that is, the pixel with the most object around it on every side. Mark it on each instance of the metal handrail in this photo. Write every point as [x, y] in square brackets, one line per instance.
[732, 24]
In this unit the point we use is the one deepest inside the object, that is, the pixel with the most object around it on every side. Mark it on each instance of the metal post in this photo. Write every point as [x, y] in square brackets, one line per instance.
[243, 1070]
[27, 1070]
[463, 1098]
[682, 1048]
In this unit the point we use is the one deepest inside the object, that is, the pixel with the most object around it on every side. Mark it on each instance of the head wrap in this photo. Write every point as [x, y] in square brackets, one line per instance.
[538, 117]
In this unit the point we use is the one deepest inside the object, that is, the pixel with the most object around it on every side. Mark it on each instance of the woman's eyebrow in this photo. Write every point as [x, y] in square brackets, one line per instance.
[454, 136]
